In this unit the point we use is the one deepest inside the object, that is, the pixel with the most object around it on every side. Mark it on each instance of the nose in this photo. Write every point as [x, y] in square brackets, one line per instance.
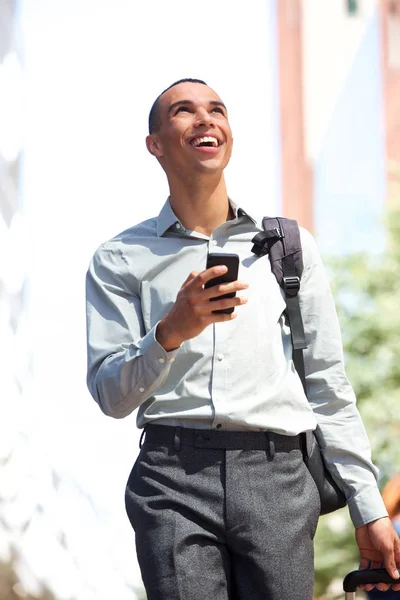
[203, 117]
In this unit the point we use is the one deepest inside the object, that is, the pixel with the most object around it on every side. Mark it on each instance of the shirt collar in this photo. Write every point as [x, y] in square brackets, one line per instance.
[240, 212]
[167, 217]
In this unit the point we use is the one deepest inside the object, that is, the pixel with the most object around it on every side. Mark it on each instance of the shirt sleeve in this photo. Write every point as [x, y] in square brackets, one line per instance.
[340, 431]
[126, 364]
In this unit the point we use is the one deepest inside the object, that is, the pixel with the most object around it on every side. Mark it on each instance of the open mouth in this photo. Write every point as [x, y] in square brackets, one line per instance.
[207, 141]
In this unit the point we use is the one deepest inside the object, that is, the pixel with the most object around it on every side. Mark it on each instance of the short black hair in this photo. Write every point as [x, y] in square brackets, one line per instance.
[154, 115]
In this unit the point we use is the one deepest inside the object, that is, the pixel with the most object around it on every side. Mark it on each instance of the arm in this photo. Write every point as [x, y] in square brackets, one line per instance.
[126, 364]
[340, 431]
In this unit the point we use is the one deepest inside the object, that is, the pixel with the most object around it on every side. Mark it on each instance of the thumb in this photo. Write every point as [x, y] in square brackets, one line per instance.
[390, 563]
[396, 573]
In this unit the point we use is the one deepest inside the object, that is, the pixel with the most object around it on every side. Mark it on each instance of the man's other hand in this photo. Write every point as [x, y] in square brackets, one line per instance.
[379, 544]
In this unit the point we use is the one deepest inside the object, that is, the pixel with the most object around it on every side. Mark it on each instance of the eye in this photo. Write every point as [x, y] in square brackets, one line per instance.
[219, 110]
[181, 109]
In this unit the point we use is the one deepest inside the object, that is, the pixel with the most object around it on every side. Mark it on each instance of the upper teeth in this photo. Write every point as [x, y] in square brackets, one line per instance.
[202, 140]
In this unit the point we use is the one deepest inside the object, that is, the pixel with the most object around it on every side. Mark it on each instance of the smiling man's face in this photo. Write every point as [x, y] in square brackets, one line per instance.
[194, 132]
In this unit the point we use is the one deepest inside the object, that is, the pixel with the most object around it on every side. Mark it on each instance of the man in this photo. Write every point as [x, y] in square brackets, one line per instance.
[222, 504]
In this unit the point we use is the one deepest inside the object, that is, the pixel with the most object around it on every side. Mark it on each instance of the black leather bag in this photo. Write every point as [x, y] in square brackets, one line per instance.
[331, 496]
[281, 241]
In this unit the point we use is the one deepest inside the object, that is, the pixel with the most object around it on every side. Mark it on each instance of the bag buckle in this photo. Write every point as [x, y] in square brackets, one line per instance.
[263, 240]
[291, 283]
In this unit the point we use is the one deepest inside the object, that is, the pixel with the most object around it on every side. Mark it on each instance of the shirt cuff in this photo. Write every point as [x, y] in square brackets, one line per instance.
[155, 353]
[367, 507]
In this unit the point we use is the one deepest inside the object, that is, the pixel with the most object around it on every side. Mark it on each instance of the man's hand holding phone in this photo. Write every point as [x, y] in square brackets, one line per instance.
[199, 303]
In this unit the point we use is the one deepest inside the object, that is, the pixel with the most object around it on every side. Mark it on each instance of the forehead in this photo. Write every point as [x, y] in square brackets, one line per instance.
[196, 92]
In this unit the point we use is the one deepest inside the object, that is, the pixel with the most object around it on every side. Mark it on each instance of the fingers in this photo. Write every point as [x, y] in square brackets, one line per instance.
[396, 587]
[190, 277]
[372, 564]
[389, 560]
[382, 587]
[200, 296]
[365, 563]
[397, 551]
[389, 552]
[198, 279]
[224, 288]
[192, 311]
[222, 317]
[209, 307]
[378, 542]
[202, 278]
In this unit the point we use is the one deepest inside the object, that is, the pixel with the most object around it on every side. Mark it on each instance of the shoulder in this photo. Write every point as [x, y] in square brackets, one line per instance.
[137, 235]
[311, 254]
[307, 239]
[116, 255]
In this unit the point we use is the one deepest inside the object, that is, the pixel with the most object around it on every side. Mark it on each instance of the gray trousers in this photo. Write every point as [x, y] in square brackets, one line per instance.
[223, 515]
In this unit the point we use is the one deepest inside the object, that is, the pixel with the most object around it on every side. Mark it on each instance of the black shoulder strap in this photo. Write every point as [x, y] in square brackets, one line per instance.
[281, 240]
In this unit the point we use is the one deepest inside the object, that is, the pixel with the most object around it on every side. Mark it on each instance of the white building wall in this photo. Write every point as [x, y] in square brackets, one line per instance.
[14, 336]
[43, 510]
[344, 122]
[331, 40]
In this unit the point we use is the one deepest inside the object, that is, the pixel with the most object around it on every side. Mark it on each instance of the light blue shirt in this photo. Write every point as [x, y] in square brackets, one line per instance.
[235, 375]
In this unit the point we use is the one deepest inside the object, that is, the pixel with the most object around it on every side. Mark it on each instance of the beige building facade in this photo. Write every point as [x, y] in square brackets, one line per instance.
[323, 48]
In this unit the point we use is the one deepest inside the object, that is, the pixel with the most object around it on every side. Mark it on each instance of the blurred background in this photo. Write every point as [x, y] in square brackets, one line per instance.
[313, 92]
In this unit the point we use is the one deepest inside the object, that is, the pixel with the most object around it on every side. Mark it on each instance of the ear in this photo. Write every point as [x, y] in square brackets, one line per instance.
[153, 145]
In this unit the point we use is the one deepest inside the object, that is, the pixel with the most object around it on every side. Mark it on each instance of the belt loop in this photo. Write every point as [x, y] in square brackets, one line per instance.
[271, 444]
[177, 438]
[141, 438]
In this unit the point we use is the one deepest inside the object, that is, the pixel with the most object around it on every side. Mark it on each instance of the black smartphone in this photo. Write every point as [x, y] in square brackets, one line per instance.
[232, 262]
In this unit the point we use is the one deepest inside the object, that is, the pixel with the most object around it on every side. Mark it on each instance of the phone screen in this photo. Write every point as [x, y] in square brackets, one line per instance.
[232, 262]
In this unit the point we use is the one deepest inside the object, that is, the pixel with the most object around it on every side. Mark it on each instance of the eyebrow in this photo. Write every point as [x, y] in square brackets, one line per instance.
[190, 103]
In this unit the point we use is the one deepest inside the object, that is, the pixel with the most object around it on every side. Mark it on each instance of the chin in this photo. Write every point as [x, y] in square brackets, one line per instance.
[212, 166]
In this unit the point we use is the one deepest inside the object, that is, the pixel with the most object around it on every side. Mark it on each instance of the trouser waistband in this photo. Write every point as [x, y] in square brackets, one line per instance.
[224, 440]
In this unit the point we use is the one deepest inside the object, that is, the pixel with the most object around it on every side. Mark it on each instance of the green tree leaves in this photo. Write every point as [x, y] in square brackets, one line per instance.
[367, 292]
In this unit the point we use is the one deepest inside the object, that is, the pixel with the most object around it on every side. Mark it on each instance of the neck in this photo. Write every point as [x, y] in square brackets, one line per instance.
[201, 205]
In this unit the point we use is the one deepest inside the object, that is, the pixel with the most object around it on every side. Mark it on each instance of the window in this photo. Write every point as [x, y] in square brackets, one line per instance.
[352, 6]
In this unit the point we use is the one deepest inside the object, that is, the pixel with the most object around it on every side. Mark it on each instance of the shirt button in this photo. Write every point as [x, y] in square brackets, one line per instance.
[219, 426]
[171, 360]
[178, 225]
[161, 360]
[214, 242]
[141, 389]
[220, 357]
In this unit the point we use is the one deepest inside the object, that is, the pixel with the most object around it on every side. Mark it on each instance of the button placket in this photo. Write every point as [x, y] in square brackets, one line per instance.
[220, 387]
